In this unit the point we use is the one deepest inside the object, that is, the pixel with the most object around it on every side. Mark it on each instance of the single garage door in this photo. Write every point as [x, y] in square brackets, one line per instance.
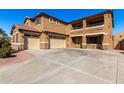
[33, 43]
[57, 43]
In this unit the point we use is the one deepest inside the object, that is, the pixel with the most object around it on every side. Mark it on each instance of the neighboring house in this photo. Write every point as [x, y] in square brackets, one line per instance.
[45, 31]
[119, 41]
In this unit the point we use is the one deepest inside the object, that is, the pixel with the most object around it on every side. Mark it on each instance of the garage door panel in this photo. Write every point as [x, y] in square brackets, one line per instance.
[33, 43]
[57, 43]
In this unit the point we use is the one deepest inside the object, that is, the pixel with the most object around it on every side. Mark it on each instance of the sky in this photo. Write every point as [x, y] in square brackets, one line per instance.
[10, 17]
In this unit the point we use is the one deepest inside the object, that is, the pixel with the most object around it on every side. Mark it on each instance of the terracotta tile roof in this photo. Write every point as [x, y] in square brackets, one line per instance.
[28, 28]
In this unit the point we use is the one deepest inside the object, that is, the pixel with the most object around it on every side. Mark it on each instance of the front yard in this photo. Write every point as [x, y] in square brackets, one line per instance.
[15, 58]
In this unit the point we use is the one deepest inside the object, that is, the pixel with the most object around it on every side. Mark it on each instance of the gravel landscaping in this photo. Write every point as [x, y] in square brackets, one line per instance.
[15, 58]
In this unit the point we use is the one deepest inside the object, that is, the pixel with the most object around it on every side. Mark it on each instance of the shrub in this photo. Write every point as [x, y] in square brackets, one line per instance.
[5, 52]
[5, 47]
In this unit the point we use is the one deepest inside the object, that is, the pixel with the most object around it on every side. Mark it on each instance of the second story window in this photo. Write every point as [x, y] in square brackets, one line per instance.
[13, 38]
[57, 22]
[51, 20]
[17, 37]
[77, 26]
[27, 23]
[37, 22]
[95, 22]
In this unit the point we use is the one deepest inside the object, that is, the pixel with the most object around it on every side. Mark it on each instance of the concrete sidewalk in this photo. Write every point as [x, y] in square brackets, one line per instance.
[56, 66]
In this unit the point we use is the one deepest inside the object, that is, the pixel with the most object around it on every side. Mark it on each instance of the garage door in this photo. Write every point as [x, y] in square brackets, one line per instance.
[57, 43]
[33, 43]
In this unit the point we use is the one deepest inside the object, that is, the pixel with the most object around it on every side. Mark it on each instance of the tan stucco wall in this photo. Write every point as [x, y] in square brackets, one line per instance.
[105, 29]
[30, 23]
[39, 26]
[53, 27]
[117, 39]
[95, 29]
[80, 32]
[20, 44]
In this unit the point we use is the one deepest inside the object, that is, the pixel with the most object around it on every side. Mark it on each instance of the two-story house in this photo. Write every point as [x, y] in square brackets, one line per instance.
[45, 31]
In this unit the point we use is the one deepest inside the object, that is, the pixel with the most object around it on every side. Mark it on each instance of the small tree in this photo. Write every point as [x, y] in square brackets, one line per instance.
[2, 32]
[5, 46]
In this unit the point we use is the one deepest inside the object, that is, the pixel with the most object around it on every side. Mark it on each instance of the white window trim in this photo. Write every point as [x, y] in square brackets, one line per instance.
[51, 20]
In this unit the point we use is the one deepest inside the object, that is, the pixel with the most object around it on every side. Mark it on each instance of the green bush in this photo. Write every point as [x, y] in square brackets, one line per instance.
[5, 46]
[5, 52]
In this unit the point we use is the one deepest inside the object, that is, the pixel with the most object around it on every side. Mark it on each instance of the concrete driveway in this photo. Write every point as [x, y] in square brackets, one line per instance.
[56, 66]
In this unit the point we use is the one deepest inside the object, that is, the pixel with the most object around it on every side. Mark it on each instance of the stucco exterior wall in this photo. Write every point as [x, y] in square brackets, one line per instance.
[105, 30]
[20, 44]
[28, 22]
[95, 29]
[39, 26]
[53, 27]
[118, 41]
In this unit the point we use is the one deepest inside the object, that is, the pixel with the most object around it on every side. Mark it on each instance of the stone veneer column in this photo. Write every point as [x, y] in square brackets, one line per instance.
[68, 31]
[105, 43]
[21, 35]
[84, 41]
[107, 37]
[44, 41]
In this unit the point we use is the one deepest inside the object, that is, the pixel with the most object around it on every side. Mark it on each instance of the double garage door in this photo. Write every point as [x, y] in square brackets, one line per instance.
[57, 42]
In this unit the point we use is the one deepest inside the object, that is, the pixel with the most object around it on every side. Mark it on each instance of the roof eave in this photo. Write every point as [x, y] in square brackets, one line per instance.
[44, 14]
[107, 11]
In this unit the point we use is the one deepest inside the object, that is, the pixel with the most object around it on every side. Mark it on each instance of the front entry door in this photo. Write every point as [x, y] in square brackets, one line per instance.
[77, 42]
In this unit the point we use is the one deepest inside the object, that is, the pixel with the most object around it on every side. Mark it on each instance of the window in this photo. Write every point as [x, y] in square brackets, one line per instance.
[27, 23]
[17, 37]
[95, 23]
[51, 20]
[92, 40]
[57, 22]
[77, 26]
[37, 22]
[13, 38]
